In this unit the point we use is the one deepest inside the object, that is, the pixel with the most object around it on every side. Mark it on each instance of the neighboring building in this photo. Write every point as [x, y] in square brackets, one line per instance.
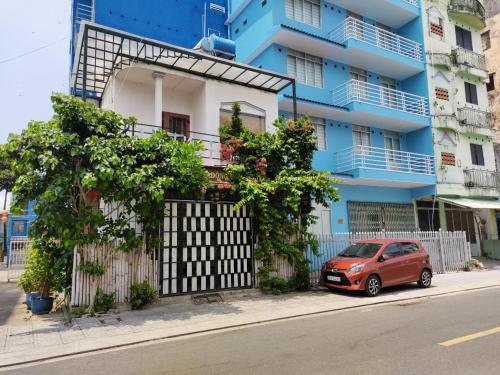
[18, 225]
[467, 182]
[360, 68]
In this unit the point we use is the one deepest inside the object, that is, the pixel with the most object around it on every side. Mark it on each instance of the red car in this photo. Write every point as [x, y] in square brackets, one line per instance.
[373, 264]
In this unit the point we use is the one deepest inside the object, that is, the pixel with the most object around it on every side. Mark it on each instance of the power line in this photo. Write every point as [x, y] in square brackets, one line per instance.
[32, 51]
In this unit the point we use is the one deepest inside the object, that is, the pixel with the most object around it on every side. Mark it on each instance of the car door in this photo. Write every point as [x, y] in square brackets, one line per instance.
[410, 261]
[390, 269]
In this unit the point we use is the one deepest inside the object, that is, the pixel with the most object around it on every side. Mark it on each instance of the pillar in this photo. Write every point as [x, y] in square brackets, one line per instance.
[158, 78]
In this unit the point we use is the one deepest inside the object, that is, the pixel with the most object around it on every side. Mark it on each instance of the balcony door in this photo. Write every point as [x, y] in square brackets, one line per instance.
[388, 94]
[355, 29]
[383, 33]
[360, 87]
[393, 150]
[176, 125]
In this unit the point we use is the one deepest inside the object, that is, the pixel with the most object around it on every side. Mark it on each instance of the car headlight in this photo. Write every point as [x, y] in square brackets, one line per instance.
[355, 269]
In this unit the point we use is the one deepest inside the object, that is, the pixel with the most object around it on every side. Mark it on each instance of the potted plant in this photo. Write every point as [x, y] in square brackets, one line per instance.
[26, 283]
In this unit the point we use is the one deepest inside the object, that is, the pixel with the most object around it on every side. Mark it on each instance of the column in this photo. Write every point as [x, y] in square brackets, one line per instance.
[158, 78]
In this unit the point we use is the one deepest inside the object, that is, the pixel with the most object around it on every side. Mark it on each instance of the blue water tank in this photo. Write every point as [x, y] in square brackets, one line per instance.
[219, 46]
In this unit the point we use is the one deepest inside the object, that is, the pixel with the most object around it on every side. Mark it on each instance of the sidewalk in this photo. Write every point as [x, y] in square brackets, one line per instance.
[42, 339]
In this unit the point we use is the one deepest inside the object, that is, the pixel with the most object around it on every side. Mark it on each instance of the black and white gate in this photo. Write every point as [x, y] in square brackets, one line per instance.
[206, 247]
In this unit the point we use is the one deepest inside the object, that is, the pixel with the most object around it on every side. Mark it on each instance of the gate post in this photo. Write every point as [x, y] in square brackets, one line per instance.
[441, 250]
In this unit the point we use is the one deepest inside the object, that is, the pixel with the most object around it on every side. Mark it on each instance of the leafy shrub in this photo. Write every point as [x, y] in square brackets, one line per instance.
[141, 294]
[104, 301]
[276, 285]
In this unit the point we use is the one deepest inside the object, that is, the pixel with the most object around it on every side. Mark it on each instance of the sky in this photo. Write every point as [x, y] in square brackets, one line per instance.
[26, 82]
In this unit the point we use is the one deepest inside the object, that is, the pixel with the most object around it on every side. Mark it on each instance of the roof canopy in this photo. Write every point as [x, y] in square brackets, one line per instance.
[473, 203]
[101, 50]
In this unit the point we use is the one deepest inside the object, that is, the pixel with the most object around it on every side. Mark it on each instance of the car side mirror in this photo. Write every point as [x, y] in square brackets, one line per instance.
[383, 258]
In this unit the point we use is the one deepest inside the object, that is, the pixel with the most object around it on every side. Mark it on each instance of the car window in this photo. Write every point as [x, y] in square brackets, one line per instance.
[393, 250]
[409, 248]
[361, 250]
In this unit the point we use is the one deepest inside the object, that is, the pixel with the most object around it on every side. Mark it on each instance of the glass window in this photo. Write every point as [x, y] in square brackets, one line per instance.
[18, 227]
[392, 140]
[490, 86]
[486, 40]
[393, 250]
[464, 38]
[476, 152]
[319, 129]
[307, 69]
[250, 121]
[361, 135]
[470, 93]
[409, 248]
[305, 11]
[361, 250]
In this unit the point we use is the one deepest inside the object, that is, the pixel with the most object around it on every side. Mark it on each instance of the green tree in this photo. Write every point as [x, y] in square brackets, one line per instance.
[275, 179]
[83, 158]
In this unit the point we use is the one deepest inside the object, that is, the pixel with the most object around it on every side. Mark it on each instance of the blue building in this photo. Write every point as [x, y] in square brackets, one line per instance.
[361, 73]
[18, 225]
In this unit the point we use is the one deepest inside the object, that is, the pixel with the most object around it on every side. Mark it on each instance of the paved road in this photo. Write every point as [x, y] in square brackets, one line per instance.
[394, 339]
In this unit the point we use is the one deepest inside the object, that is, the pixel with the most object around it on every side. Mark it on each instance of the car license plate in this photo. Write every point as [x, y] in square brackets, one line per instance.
[333, 278]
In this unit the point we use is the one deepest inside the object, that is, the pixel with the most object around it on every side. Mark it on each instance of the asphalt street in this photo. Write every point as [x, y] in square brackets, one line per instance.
[456, 334]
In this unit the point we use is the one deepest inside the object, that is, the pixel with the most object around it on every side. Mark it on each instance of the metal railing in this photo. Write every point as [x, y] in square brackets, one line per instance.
[439, 59]
[367, 157]
[85, 12]
[464, 57]
[472, 7]
[211, 154]
[475, 117]
[359, 91]
[352, 28]
[477, 178]
[412, 2]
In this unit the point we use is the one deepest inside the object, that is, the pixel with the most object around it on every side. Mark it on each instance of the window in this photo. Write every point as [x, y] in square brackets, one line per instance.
[319, 129]
[361, 135]
[392, 140]
[18, 227]
[476, 152]
[464, 38]
[176, 125]
[486, 40]
[490, 86]
[470, 93]
[305, 11]
[409, 248]
[393, 250]
[305, 68]
[253, 118]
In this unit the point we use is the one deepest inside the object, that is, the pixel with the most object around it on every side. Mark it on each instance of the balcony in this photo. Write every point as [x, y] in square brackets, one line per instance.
[439, 59]
[470, 62]
[375, 49]
[476, 178]
[379, 106]
[85, 11]
[475, 118]
[470, 12]
[384, 167]
[393, 13]
[211, 154]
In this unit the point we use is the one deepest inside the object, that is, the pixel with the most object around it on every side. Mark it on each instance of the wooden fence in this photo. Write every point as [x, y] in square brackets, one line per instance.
[118, 278]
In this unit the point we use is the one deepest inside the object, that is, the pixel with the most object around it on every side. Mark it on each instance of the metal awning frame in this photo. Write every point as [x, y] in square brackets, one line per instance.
[475, 204]
[102, 50]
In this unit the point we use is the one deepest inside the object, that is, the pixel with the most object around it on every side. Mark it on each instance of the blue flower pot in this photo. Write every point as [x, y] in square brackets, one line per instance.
[41, 305]
[29, 297]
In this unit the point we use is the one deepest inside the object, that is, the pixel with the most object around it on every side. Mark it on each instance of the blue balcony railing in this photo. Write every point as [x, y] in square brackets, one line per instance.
[363, 92]
[381, 159]
[352, 28]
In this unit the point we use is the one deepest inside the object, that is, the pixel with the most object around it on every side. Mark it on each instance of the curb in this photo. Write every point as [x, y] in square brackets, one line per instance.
[236, 326]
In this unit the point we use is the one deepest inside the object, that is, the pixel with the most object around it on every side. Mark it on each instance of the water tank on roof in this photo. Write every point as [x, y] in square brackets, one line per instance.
[218, 46]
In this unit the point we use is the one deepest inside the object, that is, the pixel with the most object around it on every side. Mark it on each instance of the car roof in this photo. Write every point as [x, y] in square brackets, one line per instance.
[386, 241]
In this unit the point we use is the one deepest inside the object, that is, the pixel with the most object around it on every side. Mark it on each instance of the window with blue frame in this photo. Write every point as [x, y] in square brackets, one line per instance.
[19, 228]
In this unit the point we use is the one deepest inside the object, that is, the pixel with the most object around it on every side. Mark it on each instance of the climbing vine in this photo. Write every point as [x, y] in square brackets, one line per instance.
[273, 176]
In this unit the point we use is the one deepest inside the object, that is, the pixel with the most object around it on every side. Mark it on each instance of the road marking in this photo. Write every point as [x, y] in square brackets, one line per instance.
[460, 340]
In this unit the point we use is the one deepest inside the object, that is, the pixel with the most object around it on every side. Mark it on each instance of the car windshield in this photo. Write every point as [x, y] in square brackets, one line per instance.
[361, 250]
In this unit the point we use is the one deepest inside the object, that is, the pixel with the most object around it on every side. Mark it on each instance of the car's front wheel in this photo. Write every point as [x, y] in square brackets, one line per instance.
[372, 287]
[425, 279]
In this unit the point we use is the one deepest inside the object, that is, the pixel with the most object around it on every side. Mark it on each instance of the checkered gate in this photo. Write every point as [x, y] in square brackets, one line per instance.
[206, 247]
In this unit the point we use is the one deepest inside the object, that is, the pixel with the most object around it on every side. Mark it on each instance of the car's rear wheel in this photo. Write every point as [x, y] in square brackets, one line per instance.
[372, 287]
[425, 279]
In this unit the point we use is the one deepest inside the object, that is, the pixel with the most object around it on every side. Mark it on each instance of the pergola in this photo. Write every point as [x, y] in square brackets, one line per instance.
[101, 51]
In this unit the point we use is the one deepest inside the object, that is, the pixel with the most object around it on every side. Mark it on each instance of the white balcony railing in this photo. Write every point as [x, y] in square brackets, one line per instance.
[352, 28]
[381, 159]
[85, 12]
[412, 2]
[363, 92]
[211, 154]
